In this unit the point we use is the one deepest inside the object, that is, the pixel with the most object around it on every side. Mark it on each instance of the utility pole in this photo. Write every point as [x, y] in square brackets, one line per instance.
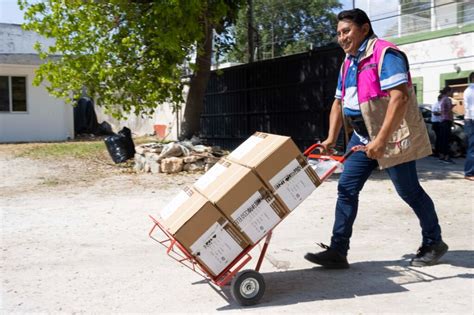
[250, 30]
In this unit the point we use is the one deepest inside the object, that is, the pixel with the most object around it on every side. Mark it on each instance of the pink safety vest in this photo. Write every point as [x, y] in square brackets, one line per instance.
[368, 73]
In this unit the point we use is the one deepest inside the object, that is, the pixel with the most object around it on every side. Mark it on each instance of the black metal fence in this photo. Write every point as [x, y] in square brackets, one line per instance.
[288, 96]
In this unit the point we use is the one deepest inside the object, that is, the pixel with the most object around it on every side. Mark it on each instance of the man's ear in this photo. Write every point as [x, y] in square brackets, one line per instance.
[366, 28]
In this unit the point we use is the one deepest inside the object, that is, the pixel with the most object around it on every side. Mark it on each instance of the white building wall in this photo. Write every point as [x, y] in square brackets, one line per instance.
[14, 40]
[144, 125]
[431, 58]
[141, 126]
[47, 118]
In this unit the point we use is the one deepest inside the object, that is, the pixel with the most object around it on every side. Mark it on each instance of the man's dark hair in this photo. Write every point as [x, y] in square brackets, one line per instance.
[357, 16]
[447, 89]
[471, 77]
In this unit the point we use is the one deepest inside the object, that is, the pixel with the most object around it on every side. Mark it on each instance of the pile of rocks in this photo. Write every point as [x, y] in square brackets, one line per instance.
[175, 157]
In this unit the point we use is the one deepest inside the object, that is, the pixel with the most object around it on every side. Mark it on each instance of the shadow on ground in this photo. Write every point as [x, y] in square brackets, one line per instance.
[362, 279]
[428, 168]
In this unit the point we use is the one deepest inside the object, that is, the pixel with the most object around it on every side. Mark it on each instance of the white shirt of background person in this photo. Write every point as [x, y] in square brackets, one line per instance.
[436, 112]
[469, 102]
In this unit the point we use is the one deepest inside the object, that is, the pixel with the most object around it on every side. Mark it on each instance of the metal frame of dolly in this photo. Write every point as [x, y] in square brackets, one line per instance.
[243, 285]
[247, 286]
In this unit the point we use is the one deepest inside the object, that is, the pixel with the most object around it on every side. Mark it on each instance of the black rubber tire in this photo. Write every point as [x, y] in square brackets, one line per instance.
[247, 287]
[455, 148]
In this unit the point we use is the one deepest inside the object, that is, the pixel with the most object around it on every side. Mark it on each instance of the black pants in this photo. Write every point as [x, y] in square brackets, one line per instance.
[436, 128]
[445, 135]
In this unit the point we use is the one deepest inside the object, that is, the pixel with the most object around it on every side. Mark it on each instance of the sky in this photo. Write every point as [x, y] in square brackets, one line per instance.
[10, 13]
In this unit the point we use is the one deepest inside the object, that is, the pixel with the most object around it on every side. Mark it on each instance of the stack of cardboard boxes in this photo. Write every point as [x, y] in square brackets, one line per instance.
[239, 200]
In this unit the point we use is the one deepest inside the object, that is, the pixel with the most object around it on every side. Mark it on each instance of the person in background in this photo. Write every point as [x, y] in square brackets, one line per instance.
[435, 124]
[375, 95]
[446, 106]
[469, 128]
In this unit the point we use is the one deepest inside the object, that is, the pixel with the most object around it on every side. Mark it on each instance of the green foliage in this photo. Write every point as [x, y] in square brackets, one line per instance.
[285, 27]
[129, 54]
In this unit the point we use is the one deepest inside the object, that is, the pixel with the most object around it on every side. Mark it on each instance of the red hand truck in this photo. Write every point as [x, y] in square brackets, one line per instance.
[247, 286]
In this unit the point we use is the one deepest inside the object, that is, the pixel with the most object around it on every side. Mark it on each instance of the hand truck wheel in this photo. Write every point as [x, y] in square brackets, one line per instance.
[247, 287]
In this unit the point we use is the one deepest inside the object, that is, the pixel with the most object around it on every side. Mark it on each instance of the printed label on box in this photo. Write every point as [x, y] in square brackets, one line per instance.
[245, 147]
[255, 217]
[211, 175]
[216, 248]
[177, 202]
[292, 184]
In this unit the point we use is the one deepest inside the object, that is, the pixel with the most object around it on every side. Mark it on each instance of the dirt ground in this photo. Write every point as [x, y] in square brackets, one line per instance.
[74, 239]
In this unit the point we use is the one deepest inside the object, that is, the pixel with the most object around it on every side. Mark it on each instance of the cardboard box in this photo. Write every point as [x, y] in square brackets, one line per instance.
[243, 198]
[203, 230]
[280, 165]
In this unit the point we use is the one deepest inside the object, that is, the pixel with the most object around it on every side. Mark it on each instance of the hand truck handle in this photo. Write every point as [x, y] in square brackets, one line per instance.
[340, 159]
[313, 147]
[352, 150]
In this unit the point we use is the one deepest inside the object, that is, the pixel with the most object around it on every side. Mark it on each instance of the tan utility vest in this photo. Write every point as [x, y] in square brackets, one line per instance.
[410, 141]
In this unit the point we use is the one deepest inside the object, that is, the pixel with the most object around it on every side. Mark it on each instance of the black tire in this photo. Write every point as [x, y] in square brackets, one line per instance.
[247, 287]
[455, 148]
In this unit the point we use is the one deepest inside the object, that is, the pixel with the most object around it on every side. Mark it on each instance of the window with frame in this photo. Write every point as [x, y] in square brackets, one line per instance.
[12, 94]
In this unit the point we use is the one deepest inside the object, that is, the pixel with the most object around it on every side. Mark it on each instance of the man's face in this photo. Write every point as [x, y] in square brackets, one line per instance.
[350, 36]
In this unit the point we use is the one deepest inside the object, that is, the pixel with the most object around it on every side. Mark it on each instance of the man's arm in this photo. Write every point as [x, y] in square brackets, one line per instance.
[397, 107]
[335, 124]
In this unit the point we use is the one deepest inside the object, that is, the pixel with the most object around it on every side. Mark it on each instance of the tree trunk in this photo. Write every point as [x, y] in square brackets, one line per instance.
[195, 101]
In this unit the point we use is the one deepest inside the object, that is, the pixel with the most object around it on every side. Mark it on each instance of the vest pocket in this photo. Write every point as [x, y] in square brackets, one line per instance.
[399, 141]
